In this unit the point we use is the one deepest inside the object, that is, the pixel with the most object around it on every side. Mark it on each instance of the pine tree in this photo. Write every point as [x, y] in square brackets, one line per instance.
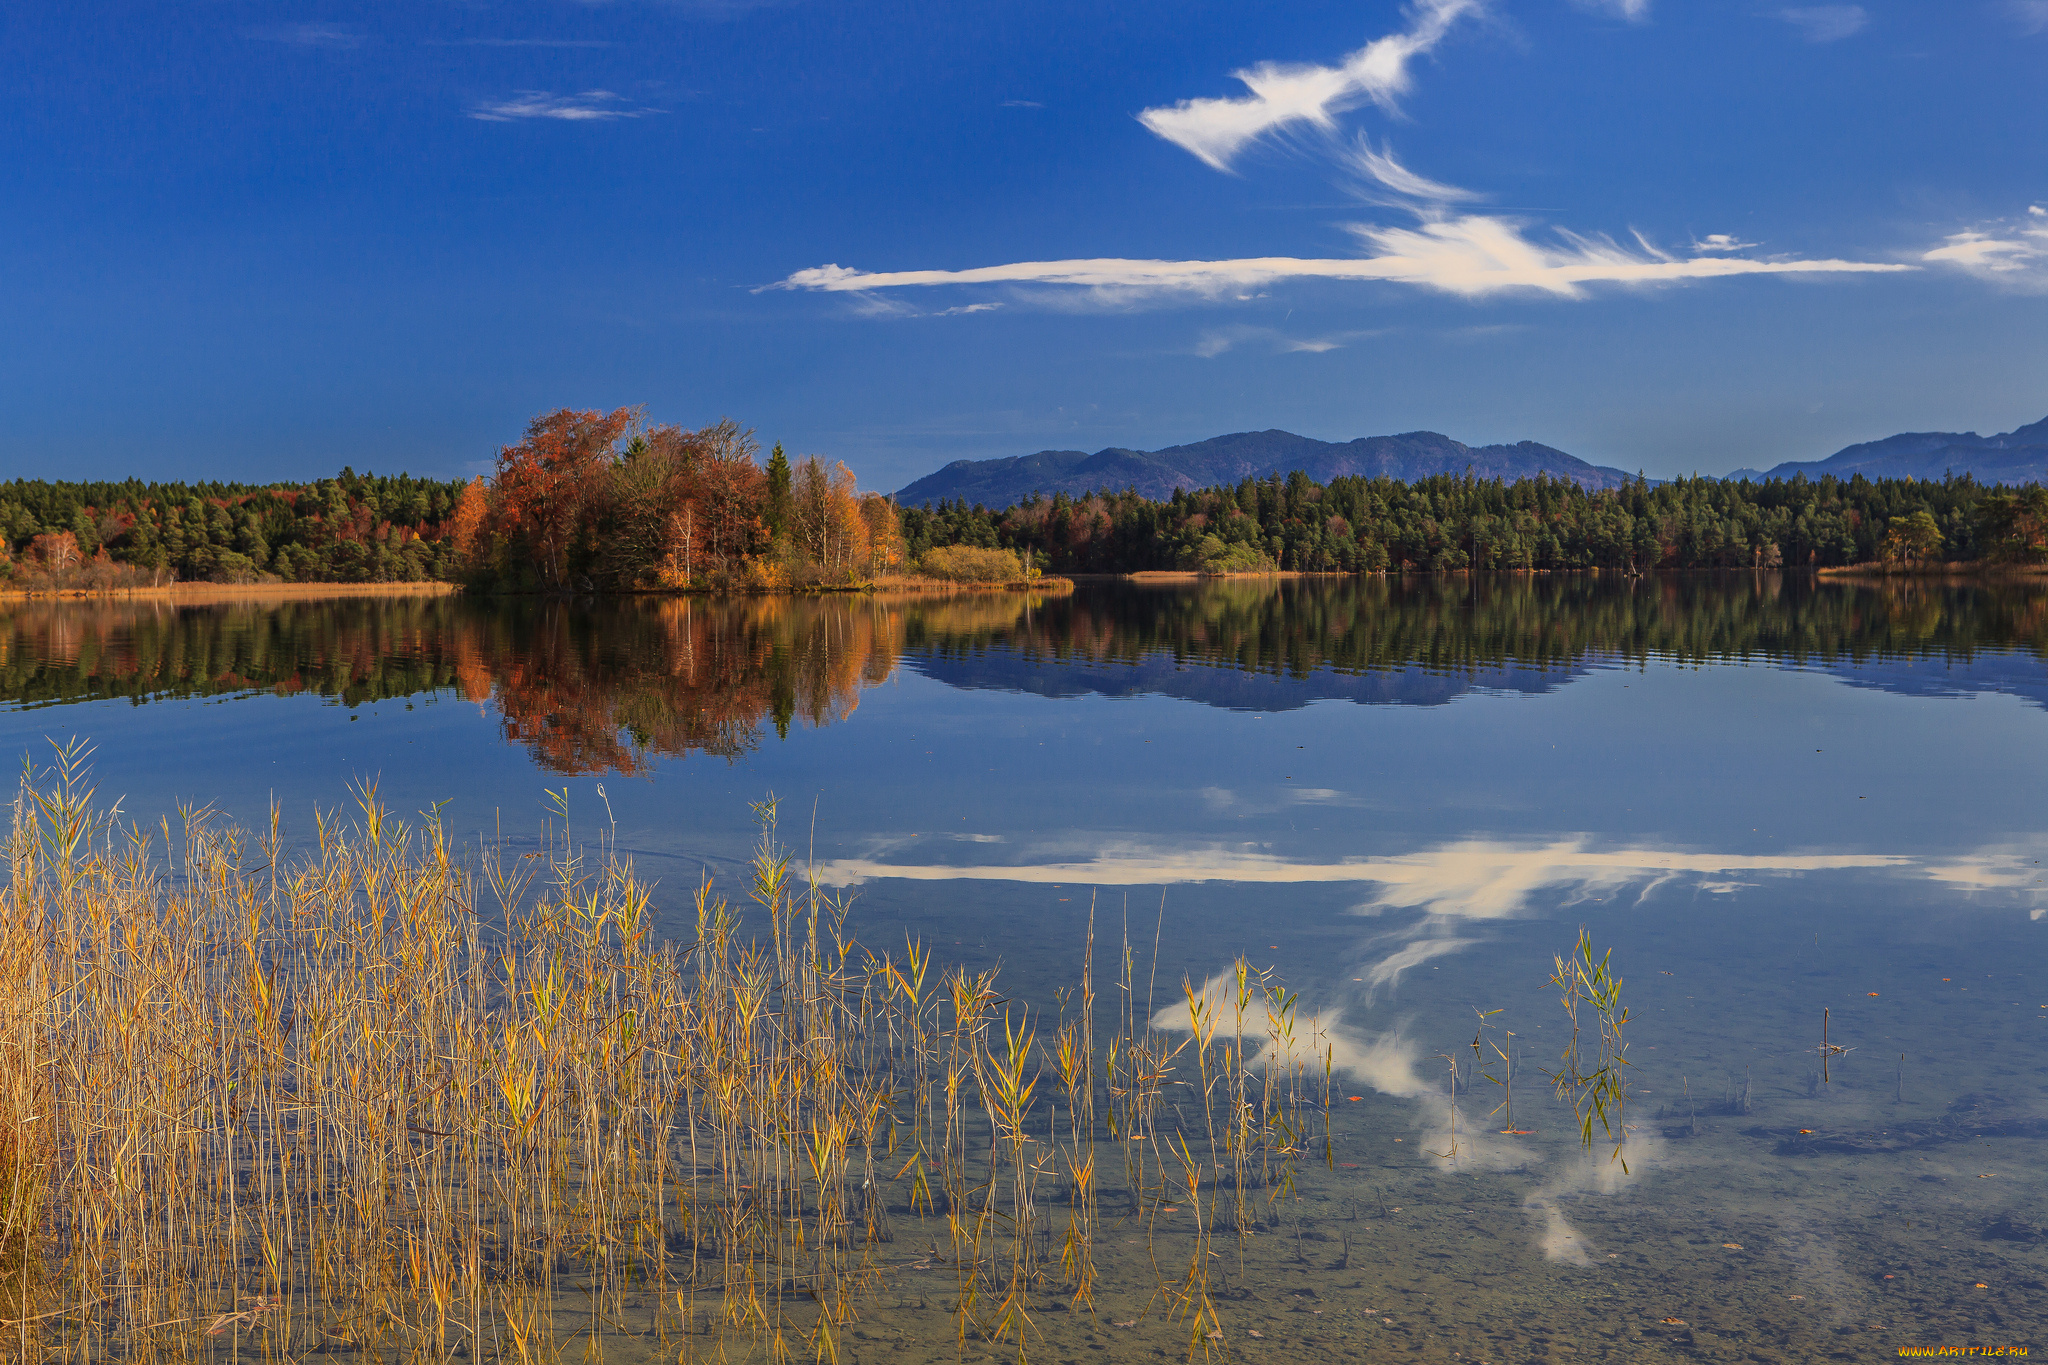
[780, 505]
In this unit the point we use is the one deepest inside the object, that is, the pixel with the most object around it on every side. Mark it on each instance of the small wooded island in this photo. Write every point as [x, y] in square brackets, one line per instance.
[597, 502]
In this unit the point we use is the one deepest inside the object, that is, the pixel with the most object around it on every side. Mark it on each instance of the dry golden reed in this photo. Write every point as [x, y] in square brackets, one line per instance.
[372, 1098]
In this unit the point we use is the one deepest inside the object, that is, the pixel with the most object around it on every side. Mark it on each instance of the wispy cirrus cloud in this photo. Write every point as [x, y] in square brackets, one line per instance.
[1285, 94]
[1826, 23]
[589, 106]
[1721, 241]
[2011, 253]
[2030, 15]
[518, 42]
[1471, 256]
[1450, 249]
[1632, 11]
[309, 35]
[1378, 175]
[1215, 341]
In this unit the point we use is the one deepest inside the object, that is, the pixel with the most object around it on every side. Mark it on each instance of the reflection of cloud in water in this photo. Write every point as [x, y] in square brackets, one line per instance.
[1996, 867]
[1479, 879]
[1484, 879]
[1588, 1171]
[1386, 1061]
[1473, 878]
[1559, 1239]
[1454, 886]
[1454, 889]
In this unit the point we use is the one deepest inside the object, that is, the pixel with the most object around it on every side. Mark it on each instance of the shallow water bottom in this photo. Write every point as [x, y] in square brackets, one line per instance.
[1729, 1245]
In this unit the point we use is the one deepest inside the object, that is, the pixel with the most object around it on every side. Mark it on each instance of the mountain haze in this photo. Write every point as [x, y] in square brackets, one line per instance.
[1245, 454]
[2017, 456]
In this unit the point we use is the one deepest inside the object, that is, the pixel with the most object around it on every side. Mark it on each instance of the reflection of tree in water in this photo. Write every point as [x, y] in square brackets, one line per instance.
[606, 689]
[1456, 623]
[354, 650]
[613, 687]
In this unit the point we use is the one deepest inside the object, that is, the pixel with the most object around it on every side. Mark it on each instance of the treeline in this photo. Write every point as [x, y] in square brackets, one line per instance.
[587, 502]
[355, 528]
[602, 502]
[1360, 525]
[594, 501]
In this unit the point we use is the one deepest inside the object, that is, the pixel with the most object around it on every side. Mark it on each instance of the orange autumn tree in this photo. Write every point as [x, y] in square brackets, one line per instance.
[466, 524]
[549, 483]
[594, 501]
[685, 507]
[884, 534]
[832, 537]
[714, 521]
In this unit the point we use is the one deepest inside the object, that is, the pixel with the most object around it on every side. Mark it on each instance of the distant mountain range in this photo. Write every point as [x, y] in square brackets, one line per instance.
[2018, 456]
[1230, 459]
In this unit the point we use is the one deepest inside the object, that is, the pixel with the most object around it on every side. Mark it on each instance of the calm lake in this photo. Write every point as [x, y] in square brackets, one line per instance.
[1770, 797]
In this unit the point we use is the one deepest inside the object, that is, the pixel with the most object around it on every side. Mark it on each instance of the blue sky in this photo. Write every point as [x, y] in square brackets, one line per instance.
[262, 240]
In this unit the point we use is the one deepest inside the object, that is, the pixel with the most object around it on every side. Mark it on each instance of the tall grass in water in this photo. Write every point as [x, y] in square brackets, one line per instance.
[372, 1098]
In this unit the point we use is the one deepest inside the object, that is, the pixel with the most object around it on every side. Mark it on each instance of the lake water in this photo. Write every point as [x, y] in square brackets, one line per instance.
[1769, 796]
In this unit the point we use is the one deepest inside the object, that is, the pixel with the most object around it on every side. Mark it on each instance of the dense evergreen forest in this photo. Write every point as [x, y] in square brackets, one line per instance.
[1357, 525]
[354, 528]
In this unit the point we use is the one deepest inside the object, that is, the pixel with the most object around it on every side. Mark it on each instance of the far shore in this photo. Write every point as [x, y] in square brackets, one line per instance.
[228, 592]
[1964, 569]
[893, 586]
[910, 585]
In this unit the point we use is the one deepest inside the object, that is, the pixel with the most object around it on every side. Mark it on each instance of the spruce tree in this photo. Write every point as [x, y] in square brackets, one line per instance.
[780, 505]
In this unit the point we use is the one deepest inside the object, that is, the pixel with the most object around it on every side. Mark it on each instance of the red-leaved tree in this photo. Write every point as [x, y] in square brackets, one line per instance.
[549, 482]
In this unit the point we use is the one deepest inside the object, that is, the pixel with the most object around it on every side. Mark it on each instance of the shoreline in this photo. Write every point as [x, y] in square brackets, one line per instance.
[1973, 570]
[219, 592]
[1052, 584]
[1057, 585]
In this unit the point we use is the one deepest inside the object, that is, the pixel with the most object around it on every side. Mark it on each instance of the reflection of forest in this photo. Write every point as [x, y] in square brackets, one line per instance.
[585, 688]
[1292, 627]
[611, 686]
[354, 649]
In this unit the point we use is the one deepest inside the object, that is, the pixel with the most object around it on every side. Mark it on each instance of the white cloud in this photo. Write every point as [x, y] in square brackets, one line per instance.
[1634, 11]
[517, 42]
[1022, 104]
[2012, 254]
[591, 106]
[1463, 253]
[1214, 341]
[1826, 23]
[1285, 94]
[1471, 256]
[1377, 167]
[332, 36]
[2030, 15]
[881, 306]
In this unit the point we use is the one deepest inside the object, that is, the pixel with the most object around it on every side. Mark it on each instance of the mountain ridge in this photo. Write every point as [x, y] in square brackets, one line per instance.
[2016, 456]
[1231, 458]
